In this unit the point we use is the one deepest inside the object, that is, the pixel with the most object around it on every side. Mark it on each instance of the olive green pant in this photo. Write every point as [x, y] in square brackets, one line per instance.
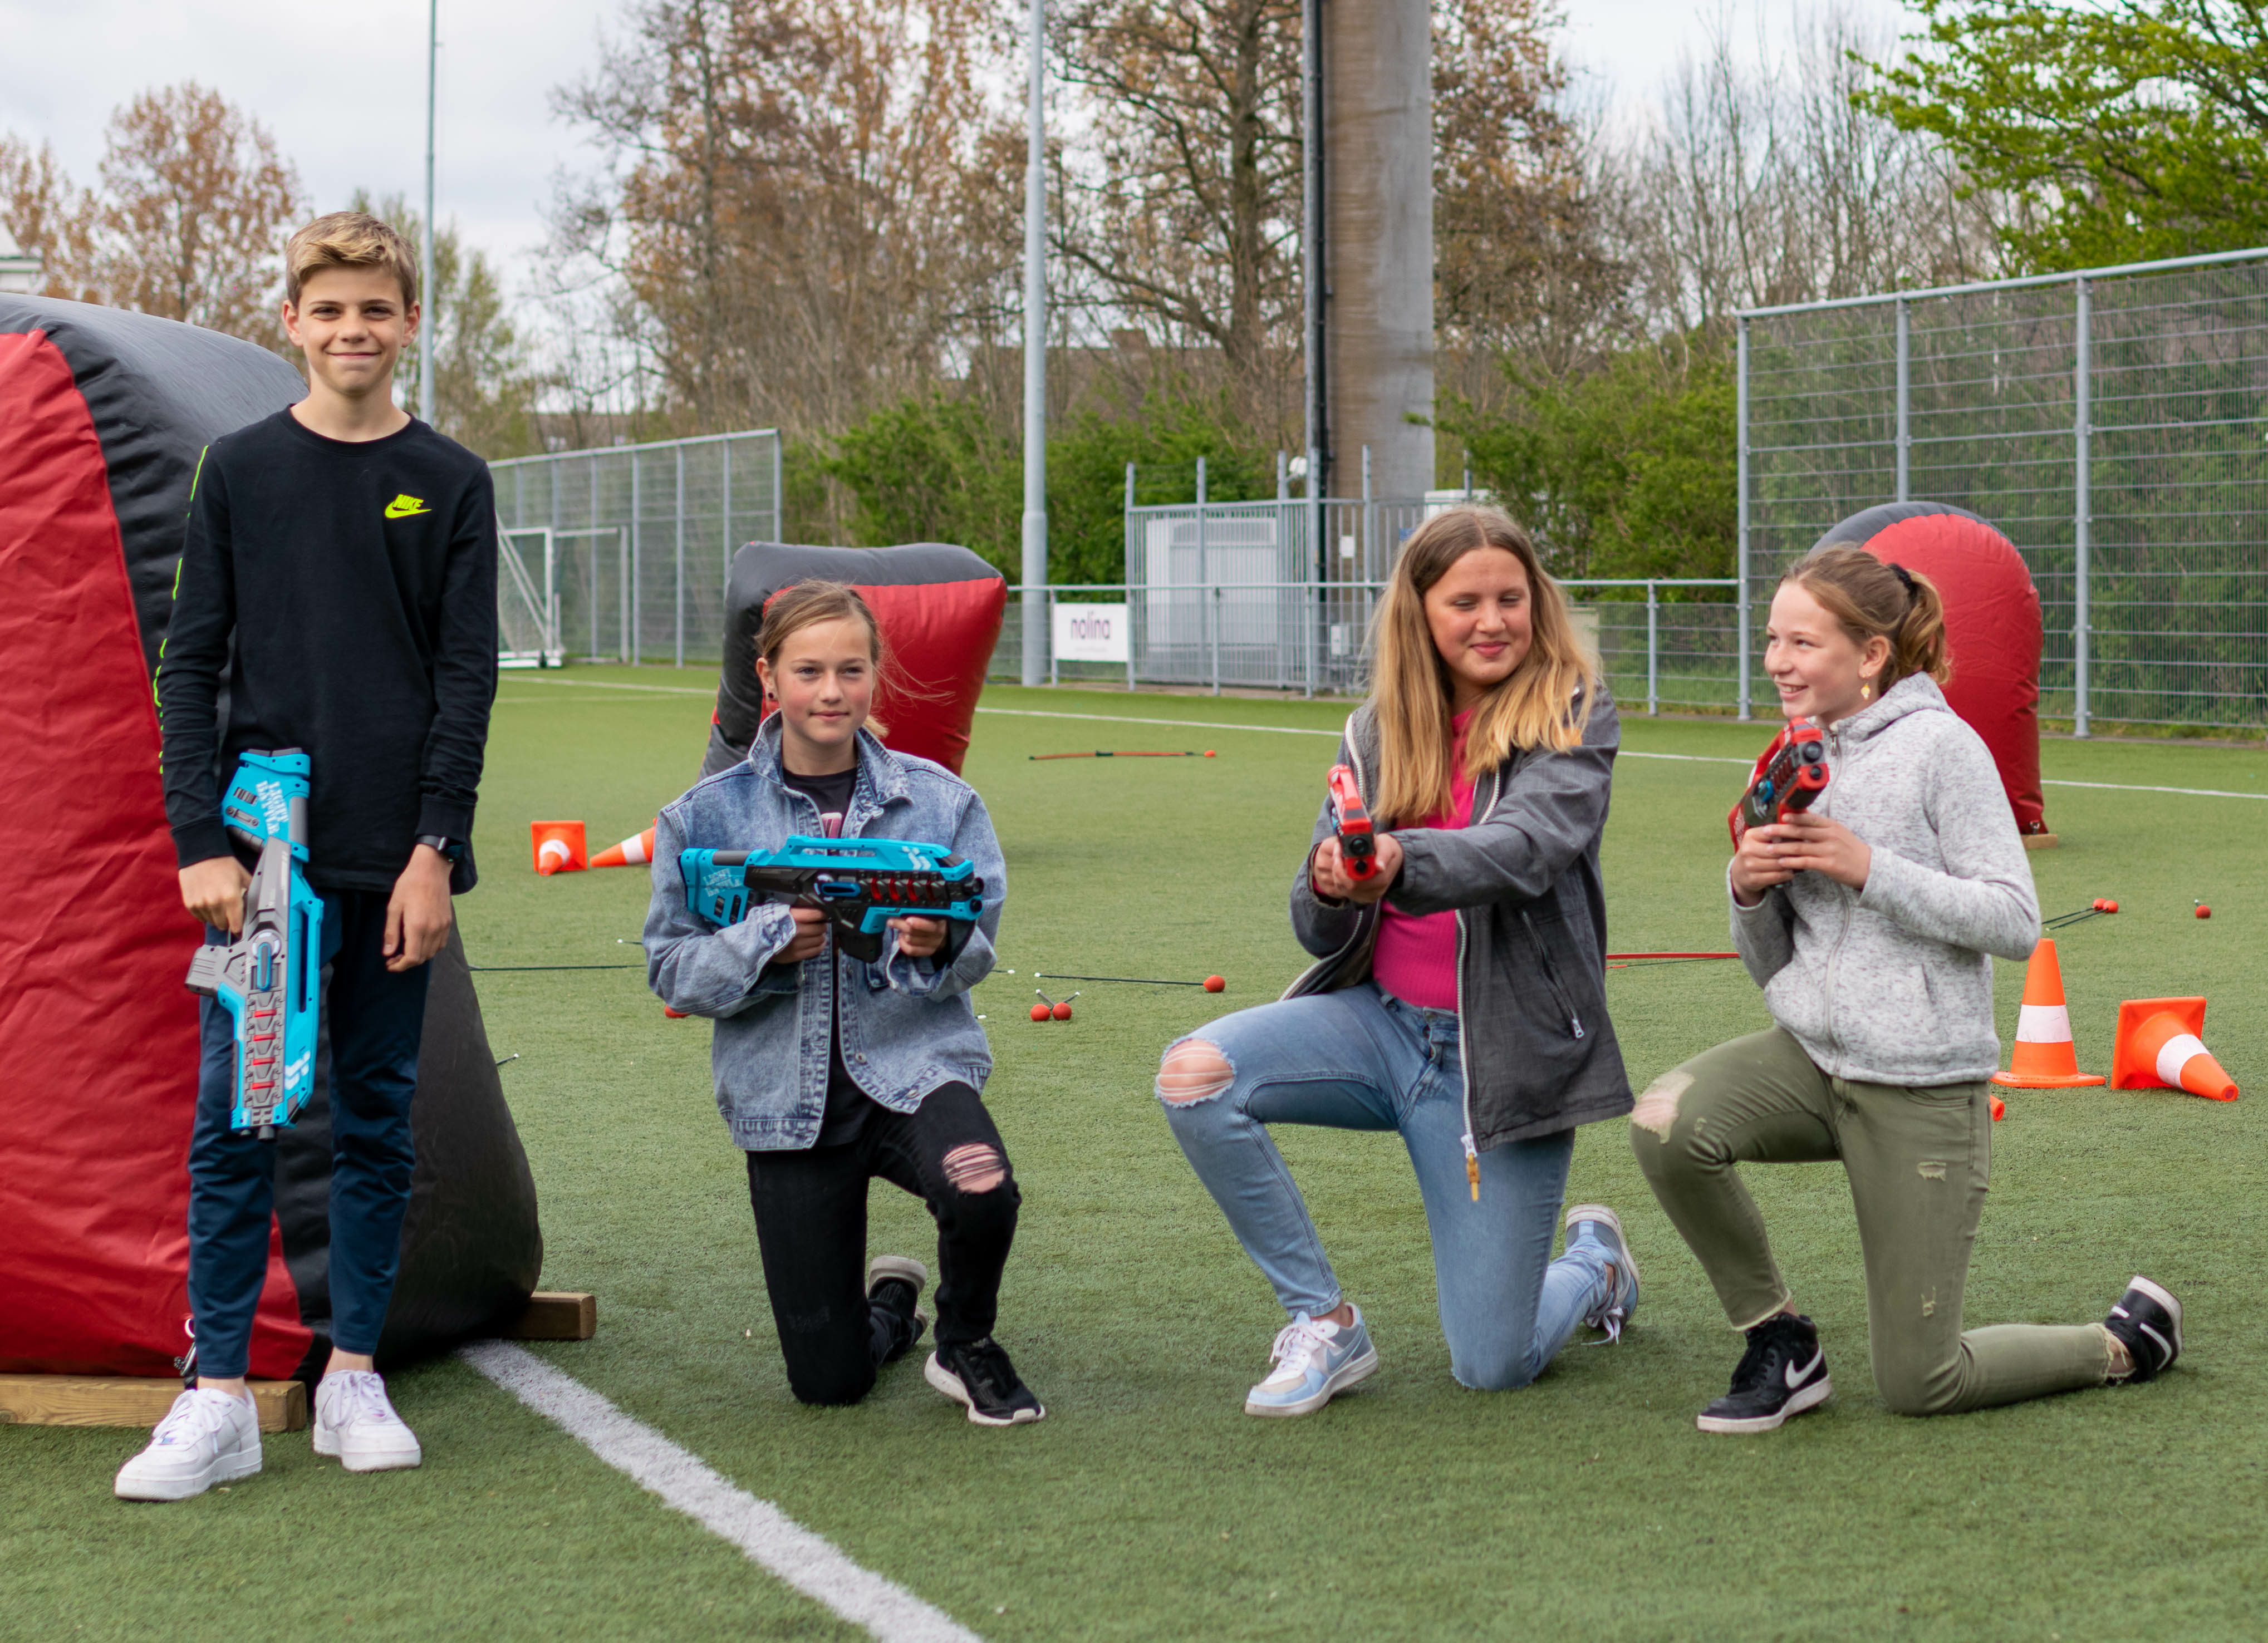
[1918, 1160]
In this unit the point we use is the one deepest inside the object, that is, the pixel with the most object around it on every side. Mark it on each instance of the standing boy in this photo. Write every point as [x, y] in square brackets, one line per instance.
[340, 572]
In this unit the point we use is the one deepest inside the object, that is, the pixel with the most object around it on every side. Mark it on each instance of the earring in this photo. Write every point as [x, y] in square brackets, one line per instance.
[1865, 693]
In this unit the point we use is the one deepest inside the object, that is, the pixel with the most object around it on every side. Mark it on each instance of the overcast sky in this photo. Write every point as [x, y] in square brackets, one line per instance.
[347, 100]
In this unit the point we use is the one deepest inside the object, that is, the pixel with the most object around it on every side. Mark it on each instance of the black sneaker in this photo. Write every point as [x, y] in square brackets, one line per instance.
[1783, 1373]
[2147, 1322]
[979, 1375]
[893, 1286]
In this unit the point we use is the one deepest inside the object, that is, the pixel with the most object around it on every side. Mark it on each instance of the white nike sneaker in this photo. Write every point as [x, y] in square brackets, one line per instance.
[355, 1421]
[206, 1438]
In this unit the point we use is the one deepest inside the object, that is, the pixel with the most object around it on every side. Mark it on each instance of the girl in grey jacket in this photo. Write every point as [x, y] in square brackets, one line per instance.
[1871, 920]
[1459, 994]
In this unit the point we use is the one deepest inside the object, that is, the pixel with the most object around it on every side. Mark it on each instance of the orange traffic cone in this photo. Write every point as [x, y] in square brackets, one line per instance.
[2158, 1048]
[558, 847]
[2044, 1057]
[632, 852]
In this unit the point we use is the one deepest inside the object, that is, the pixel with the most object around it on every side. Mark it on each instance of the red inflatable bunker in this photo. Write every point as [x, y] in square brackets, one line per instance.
[1993, 626]
[939, 607]
[103, 415]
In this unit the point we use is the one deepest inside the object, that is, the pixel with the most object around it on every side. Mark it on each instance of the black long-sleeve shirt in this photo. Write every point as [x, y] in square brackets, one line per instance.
[357, 584]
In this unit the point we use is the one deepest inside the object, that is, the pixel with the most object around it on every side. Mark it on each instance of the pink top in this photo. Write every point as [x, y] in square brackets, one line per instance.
[1416, 955]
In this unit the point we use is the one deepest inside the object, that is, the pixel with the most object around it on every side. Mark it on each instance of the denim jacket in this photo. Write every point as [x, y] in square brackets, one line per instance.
[907, 1025]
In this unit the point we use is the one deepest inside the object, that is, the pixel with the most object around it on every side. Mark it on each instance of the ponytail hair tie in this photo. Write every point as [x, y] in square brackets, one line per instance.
[1905, 581]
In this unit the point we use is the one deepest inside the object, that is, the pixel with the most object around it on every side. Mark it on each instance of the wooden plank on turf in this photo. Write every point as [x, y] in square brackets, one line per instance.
[557, 1315]
[121, 1400]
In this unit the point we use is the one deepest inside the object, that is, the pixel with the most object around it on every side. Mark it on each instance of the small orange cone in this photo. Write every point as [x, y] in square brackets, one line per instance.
[2044, 1057]
[558, 847]
[632, 852]
[2158, 1048]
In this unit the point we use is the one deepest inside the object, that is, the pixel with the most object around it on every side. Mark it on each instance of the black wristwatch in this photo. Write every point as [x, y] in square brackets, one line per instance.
[451, 850]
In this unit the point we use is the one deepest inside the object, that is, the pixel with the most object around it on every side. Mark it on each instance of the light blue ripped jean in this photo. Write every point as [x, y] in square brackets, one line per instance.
[1363, 1060]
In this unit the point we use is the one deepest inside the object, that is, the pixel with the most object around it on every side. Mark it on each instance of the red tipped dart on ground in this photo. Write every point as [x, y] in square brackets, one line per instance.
[1210, 983]
[2204, 911]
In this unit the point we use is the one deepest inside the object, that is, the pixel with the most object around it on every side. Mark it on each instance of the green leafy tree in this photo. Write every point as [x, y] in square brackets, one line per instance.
[1625, 471]
[939, 469]
[2136, 129]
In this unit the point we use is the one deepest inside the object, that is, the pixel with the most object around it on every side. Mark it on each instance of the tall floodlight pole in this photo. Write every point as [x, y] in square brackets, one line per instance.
[426, 257]
[1035, 365]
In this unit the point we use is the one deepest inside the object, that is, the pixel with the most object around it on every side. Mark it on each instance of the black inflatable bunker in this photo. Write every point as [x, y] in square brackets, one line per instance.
[939, 607]
[103, 415]
[1992, 624]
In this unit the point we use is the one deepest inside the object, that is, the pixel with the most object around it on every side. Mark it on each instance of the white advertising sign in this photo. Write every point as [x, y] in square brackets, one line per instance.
[1091, 633]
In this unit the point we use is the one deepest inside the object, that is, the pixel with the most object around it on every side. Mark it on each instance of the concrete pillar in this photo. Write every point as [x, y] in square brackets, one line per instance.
[1377, 240]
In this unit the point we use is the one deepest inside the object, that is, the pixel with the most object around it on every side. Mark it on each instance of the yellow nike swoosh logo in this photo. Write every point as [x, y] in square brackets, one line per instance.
[404, 507]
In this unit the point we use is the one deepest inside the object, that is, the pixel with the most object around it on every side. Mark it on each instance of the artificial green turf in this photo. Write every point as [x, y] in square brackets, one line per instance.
[1148, 1505]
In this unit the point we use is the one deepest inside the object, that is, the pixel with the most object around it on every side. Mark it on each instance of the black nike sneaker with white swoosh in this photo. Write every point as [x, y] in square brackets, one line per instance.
[2147, 1322]
[1783, 1373]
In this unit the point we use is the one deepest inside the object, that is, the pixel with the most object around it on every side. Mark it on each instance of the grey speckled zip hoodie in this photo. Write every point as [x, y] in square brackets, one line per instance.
[1893, 985]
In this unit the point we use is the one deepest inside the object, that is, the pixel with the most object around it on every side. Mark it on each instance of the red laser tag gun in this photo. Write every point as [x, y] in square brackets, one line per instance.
[1351, 820]
[1790, 775]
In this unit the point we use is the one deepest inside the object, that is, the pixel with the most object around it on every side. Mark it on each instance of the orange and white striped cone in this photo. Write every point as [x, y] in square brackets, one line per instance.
[2044, 1057]
[636, 851]
[558, 846]
[2160, 1047]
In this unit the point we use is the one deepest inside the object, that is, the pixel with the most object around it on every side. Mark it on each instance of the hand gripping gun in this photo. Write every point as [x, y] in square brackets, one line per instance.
[1792, 772]
[860, 884]
[1351, 820]
[269, 978]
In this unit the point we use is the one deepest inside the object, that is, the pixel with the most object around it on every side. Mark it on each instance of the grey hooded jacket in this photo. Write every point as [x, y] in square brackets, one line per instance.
[1893, 984]
[1539, 1052]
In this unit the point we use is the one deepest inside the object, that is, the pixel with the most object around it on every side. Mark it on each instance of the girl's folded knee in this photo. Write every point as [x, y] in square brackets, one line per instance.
[1487, 1374]
[1193, 1071]
[975, 1169]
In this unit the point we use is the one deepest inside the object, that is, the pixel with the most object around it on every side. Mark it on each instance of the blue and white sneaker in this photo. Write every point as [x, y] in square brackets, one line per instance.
[1315, 1361]
[1598, 1226]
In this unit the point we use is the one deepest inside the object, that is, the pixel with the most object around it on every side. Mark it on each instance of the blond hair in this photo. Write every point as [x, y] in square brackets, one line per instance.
[802, 605]
[349, 239]
[1870, 598]
[1535, 706]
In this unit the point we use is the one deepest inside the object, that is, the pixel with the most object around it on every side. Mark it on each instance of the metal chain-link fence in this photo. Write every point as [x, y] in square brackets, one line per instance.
[2113, 424]
[636, 541]
[1667, 644]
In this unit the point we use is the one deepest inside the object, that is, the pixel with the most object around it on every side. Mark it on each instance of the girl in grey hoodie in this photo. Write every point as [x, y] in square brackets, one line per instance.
[1870, 920]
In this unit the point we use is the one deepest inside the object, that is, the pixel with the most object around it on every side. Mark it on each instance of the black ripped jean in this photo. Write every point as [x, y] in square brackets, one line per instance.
[811, 1225]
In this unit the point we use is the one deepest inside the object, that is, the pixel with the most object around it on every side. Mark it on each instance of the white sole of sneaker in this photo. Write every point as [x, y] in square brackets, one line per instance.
[904, 1268]
[947, 1382]
[2164, 1298]
[1600, 1212]
[327, 1442]
[225, 1469]
[1810, 1398]
[1347, 1374]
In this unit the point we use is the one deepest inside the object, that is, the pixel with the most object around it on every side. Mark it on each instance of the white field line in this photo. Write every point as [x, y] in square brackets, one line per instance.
[2128, 787]
[686, 1483]
[1290, 730]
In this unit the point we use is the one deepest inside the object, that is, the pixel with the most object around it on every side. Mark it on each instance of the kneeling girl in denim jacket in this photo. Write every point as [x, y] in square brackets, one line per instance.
[831, 1071]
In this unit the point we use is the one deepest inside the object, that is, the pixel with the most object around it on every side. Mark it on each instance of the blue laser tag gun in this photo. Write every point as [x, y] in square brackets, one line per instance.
[860, 884]
[1792, 772]
[270, 978]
